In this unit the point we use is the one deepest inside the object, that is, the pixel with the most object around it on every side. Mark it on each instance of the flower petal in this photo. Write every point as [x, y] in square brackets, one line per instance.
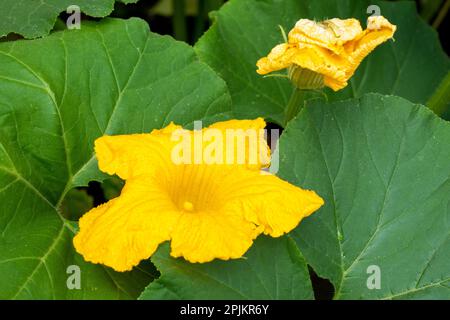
[204, 236]
[280, 57]
[308, 56]
[255, 124]
[135, 154]
[330, 34]
[378, 31]
[129, 228]
[268, 201]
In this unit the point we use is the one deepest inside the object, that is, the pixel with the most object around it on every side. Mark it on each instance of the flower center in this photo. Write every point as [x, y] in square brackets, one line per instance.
[194, 188]
[188, 206]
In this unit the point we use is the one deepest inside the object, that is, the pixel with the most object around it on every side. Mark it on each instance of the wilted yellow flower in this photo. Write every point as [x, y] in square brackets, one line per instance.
[326, 53]
[207, 211]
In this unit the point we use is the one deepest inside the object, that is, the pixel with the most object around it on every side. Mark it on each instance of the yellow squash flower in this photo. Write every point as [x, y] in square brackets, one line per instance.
[326, 53]
[207, 211]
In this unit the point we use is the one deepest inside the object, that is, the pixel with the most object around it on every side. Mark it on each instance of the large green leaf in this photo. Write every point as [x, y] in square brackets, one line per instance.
[57, 95]
[75, 204]
[246, 30]
[382, 165]
[32, 19]
[271, 269]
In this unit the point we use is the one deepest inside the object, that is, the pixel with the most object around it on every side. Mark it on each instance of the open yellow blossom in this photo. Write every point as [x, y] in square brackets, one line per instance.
[207, 211]
[326, 53]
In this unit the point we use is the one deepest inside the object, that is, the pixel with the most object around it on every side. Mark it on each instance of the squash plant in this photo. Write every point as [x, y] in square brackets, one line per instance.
[377, 151]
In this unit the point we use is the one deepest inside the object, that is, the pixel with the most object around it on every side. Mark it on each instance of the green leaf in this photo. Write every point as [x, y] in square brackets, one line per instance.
[112, 187]
[246, 30]
[57, 95]
[75, 204]
[381, 163]
[271, 269]
[33, 19]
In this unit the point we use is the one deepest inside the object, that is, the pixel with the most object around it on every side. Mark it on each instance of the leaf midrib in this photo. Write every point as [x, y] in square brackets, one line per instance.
[427, 286]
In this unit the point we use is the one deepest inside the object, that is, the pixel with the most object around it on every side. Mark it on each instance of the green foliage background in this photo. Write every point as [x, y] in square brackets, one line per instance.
[378, 151]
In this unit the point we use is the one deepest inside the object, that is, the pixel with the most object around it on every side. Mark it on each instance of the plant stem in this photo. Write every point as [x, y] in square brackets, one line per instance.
[441, 15]
[295, 104]
[439, 101]
[202, 20]
[179, 20]
[430, 8]
[202, 15]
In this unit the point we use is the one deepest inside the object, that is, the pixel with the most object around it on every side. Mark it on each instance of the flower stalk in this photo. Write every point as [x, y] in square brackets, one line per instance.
[295, 104]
